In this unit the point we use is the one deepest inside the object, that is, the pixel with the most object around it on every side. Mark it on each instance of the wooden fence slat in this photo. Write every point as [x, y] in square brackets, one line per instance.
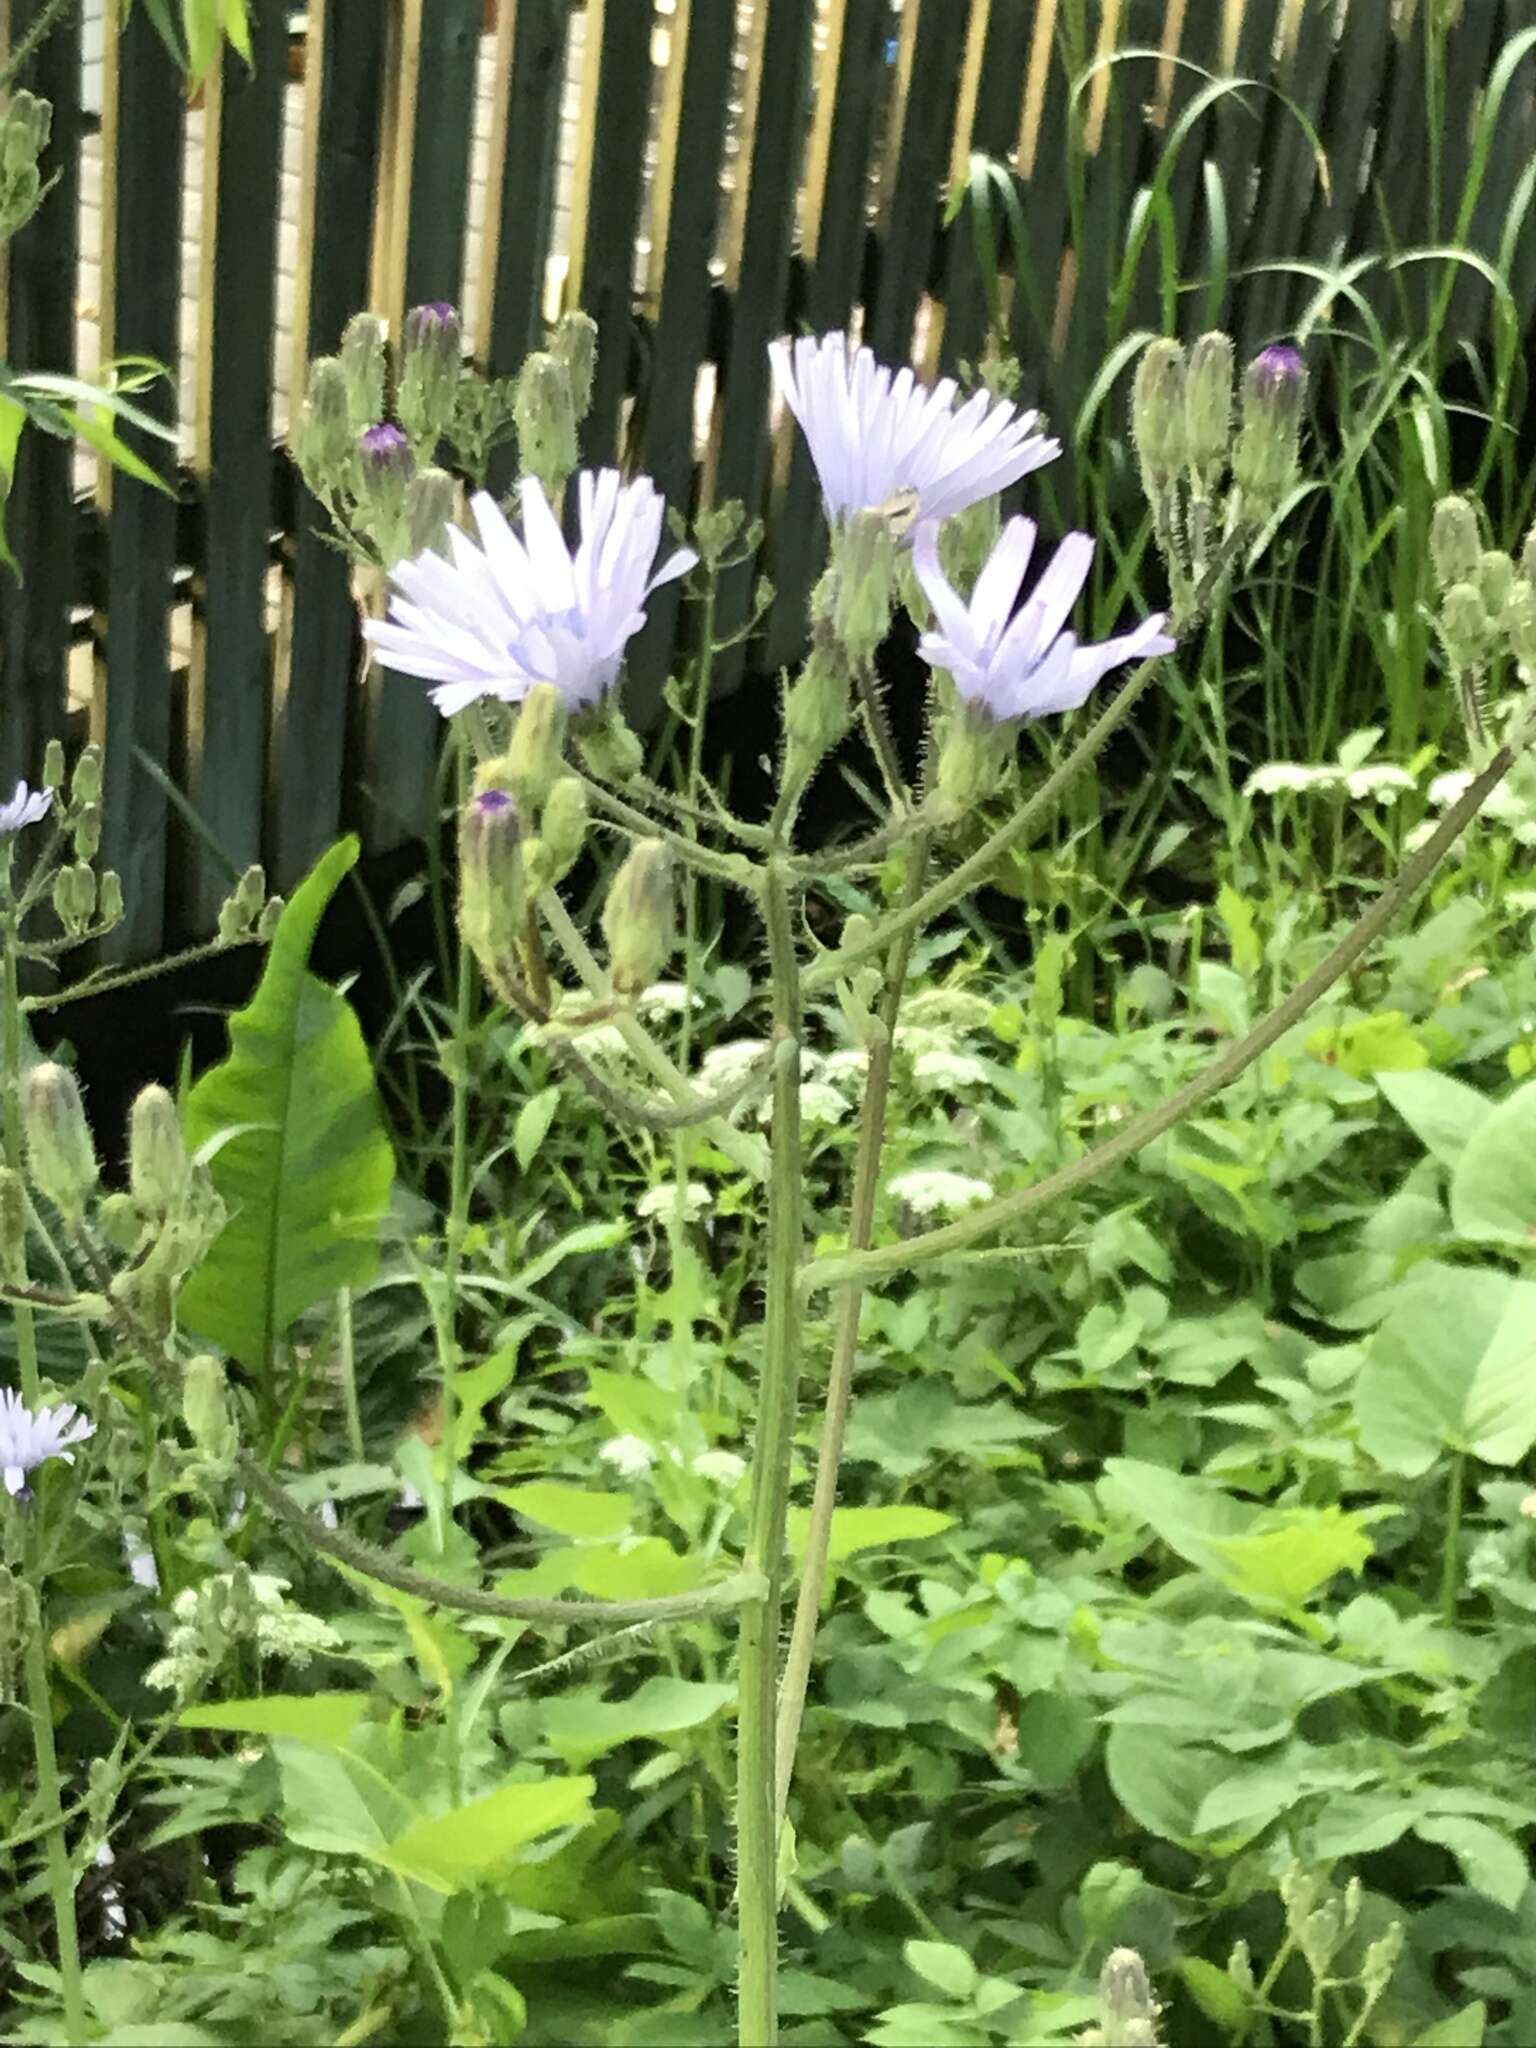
[1043, 158]
[39, 334]
[685, 219]
[1195, 33]
[424, 160]
[1239, 128]
[1470, 51]
[520, 187]
[1000, 36]
[228, 697]
[1349, 109]
[762, 230]
[917, 150]
[344, 60]
[1288, 176]
[605, 206]
[834, 234]
[143, 134]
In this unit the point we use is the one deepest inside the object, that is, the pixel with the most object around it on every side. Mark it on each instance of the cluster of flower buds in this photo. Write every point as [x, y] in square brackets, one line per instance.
[552, 397]
[169, 1216]
[1487, 606]
[850, 616]
[639, 917]
[1129, 2007]
[86, 904]
[231, 1608]
[24, 129]
[247, 912]
[1208, 489]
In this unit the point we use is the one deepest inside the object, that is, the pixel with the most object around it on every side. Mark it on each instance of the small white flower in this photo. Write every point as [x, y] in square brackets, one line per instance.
[932, 1191]
[727, 1066]
[28, 1440]
[671, 997]
[662, 1201]
[851, 1063]
[820, 1103]
[142, 1568]
[26, 807]
[723, 1467]
[956, 1007]
[1276, 777]
[1382, 780]
[630, 1456]
[948, 1070]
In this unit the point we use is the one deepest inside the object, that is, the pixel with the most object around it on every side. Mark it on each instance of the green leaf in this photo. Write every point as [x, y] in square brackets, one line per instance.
[569, 1510]
[13, 418]
[1462, 2029]
[868, 1528]
[326, 1719]
[1493, 1191]
[306, 1177]
[580, 1725]
[337, 1801]
[1157, 1779]
[940, 1963]
[1290, 1553]
[1490, 1862]
[1056, 1731]
[1451, 1368]
[452, 1851]
[1444, 1115]
[532, 1126]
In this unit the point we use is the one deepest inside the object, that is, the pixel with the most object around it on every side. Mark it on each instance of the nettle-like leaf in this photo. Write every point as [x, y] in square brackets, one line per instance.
[1453, 1367]
[1493, 1191]
[306, 1172]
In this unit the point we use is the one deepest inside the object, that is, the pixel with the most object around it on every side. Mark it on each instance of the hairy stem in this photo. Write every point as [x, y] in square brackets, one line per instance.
[61, 1884]
[845, 1344]
[1218, 1074]
[1450, 1574]
[10, 1092]
[756, 1794]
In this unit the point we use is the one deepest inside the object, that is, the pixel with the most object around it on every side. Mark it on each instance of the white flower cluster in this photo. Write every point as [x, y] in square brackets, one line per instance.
[234, 1607]
[933, 1191]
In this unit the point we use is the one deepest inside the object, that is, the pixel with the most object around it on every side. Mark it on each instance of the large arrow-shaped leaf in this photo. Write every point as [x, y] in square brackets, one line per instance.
[306, 1174]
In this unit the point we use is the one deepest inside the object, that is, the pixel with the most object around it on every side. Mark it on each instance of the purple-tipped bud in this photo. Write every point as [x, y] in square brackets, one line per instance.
[431, 362]
[385, 469]
[492, 890]
[384, 448]
[1266, 458]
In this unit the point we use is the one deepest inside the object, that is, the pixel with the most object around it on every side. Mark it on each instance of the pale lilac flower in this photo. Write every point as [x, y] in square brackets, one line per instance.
[878, 436]
[493, 620]
[24, 808]
[1021, 664]
[26, 1440]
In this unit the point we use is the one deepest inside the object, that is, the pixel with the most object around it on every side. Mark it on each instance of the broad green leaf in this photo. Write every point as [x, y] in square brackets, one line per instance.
[1290, 1552]
[940, 1963]
[326, 1719]
[452, 1851]
[569, 1510]
[307, 1176]
[1493, 1191]
[1490, 1862]
[1462, 2029]
[1157, 1779]
[337, 1801]
[1444, 1115]
[13, 418]
[581, 1725]
[1056, 1731]
[856, 1529]
[1451, 1369]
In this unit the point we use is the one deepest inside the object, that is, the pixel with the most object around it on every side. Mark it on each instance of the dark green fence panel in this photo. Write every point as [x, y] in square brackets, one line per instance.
[232, 654]
[994, 130]
[143, 130]
[310, 734]
[34, 614]
[1288, 177]
[912, 215]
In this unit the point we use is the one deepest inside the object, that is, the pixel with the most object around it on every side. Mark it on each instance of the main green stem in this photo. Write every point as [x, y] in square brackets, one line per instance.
[1219, 1073]
[1450, 1574]
[756, 1787]
[60, 1882]
[845, 1345]
[10, 1090]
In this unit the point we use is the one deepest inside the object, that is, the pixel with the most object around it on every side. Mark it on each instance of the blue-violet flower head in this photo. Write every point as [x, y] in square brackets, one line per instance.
[27, 1439]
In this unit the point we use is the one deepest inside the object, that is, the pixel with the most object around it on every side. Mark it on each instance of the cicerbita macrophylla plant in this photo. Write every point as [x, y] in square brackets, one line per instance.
[29, 1437]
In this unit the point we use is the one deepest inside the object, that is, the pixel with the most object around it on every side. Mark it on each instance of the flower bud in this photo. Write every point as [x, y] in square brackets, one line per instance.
[1494, 576]
[59, 1148]
[24, 132]
[13, 1227]
[608, 746]
[430, 499]
[65, 905]
[536, 754]
[638, 917]
[1208, 410]
[546, 422]
[1519, 624]
[431, 363]
[86, 831]
[85, 891]
[384, 470]
[563, 827]
[1455, 543]
[85, 784]
[157, 1154]
[1157, 415]
[1380, 1961]
[1528, 558]
[1240, 1968]
[492, 895]
[109, 907]
[325, 440]
[1265, 460]
[1318, 1936]
[364, 368]
[574, 344]
[1465, 627]
[205, 1408]
[1125, 1989]
[243, 905]
[269, 920]
[53, 765]
[816, 714]
[863, 581]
